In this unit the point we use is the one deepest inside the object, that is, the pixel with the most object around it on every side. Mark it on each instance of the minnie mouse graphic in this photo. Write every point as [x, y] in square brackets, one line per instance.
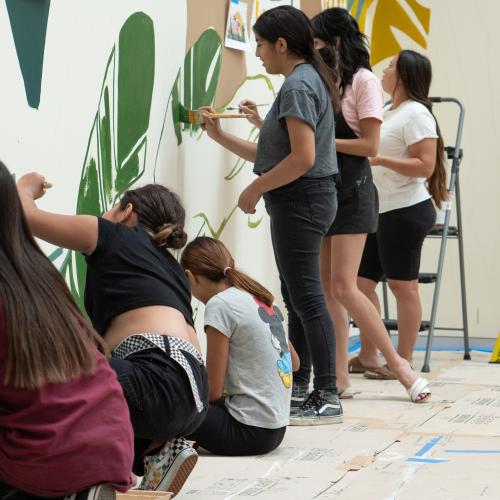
[273, 317]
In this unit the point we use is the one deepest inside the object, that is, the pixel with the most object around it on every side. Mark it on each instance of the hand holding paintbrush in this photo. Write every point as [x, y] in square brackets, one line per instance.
[249, 107]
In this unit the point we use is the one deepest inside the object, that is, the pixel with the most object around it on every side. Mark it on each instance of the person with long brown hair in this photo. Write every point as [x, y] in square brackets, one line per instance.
[249, 360]
[295, 162]
[62, 411]
[409, 173]
[138, 299]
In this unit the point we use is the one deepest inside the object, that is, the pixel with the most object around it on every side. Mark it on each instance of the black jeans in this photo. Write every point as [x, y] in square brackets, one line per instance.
[301, 213]
[222, 434]
[159, 398]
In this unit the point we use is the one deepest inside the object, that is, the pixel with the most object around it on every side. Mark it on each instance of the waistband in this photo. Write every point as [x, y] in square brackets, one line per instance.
[175, 347]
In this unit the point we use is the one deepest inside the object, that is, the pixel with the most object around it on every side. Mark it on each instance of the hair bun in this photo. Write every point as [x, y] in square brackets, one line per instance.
[177, 238]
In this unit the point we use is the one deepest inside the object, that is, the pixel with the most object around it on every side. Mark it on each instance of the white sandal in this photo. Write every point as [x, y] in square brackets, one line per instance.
[420, 386]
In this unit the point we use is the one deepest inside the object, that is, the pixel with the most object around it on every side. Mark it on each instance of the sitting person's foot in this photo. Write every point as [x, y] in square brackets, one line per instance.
[321, 407]
[299, 394]
[170, 467]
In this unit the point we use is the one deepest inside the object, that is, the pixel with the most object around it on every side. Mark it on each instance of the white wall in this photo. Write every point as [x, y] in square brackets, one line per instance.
[463, 47]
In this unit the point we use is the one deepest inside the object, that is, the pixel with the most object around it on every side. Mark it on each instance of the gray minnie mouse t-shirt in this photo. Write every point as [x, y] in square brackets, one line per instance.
[259, 370]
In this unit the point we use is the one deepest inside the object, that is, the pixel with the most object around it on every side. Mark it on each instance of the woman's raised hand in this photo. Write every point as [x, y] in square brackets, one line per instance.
[248, 107]
[210, 125]
[33, 184]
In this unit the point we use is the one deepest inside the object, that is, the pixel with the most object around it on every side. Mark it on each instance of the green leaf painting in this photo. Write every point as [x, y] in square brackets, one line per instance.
[28, 22]
[117, 146]
[197, 79]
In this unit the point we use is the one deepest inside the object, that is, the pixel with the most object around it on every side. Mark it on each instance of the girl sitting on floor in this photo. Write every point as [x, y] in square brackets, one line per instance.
[64, 422]
[249, 360]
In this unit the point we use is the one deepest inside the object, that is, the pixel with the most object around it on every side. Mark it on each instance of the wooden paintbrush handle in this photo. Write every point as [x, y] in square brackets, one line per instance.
[227, 115]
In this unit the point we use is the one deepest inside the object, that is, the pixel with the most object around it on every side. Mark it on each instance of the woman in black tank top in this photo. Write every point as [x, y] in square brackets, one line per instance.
[344, 47]
[130, 268]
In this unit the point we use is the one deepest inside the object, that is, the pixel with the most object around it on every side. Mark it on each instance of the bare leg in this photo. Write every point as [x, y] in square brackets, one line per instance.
[338, 315]
[368, 353]
[409, 315]
[346, 257]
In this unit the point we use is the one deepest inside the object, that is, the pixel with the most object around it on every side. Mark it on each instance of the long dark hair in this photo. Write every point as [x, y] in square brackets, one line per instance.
[160, 212]
[48, 341]
[211, 259]
[351, 54]
[415, 73]
[294, 26]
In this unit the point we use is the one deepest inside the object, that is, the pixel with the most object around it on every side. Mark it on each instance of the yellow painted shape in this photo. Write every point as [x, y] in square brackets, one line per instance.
[495, 355]
[390, 14]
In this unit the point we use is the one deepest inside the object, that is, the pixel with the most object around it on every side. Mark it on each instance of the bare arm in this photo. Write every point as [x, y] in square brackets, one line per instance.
[293, 166]
[295, 357]
[365, 145]
[217, 354]
[76, 232]
[245, 149]
[421, 163]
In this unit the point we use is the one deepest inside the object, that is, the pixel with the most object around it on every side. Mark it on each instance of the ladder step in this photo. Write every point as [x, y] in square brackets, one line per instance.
[438, 231]
[392, 324]
[427, 277]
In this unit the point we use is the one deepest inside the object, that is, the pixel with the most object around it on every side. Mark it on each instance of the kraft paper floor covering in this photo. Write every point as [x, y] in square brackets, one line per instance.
[387, 447]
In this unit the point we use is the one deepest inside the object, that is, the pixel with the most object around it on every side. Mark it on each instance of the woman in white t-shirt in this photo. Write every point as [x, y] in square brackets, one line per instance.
[409, 173]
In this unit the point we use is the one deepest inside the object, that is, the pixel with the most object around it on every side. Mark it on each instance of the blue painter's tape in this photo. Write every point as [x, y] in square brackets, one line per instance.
[428, 446]
[426, 460]
[235, 1]
[472, 451]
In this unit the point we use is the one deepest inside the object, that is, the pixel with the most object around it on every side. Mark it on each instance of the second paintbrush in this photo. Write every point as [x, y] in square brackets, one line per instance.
[197, 116]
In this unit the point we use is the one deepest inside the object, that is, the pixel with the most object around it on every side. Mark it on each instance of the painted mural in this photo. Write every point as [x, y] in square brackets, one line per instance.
[125, 148]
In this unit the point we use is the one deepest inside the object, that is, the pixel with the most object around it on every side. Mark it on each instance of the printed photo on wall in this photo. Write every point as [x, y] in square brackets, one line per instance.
[236, 29]
[263, 5]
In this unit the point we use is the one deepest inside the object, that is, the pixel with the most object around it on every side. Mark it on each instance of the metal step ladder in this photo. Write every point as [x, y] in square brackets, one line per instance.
[445, 231]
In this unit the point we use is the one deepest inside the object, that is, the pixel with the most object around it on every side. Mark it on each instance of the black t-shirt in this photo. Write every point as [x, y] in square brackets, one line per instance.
[128, 270]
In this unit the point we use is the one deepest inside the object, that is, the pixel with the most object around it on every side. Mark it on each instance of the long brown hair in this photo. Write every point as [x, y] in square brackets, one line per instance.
[294, 26]
[160, 212]
[211, 259]
[415, 72]
[352, 54]
[48, 341]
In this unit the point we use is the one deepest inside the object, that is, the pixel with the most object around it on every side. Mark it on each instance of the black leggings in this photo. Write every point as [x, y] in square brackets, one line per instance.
[159, 398]
[394, 250]
[222, 434]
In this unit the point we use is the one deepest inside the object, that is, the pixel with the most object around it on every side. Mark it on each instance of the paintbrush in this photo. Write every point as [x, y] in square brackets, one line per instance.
[196, 116]
[235, 108]
[47, 185]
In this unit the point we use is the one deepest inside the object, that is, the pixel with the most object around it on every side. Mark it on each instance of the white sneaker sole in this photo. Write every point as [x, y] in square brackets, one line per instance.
[316, 421]
[179, 471]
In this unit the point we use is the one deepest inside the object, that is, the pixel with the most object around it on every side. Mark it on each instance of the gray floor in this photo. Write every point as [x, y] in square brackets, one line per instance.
[387, 447]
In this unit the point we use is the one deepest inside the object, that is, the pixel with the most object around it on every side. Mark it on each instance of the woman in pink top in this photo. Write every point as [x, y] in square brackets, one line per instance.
[357, 131]
[64, 423]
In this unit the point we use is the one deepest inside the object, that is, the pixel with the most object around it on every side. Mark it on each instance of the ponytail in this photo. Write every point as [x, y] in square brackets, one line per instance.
[329, 77]
[211, 259]
[436, 183]
[244, 282]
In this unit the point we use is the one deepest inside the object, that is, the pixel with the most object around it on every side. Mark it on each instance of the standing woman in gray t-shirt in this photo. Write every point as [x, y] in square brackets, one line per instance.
[296, 163]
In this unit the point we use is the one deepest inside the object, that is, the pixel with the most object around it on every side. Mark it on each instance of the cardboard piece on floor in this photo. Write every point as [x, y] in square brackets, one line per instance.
[435, 472]
[472, 372]
[144, 495]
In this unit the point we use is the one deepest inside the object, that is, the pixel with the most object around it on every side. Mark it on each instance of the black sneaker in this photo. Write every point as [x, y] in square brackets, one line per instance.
[299, 394]
[320, 408]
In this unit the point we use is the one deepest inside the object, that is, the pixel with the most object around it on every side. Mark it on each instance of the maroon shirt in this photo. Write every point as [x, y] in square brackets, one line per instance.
[63, 438]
